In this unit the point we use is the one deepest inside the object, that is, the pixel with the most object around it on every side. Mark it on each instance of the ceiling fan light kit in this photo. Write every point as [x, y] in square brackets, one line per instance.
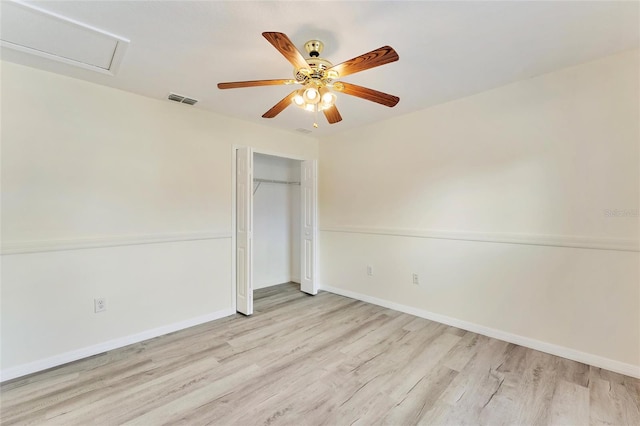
[316, 80]
[317, 77]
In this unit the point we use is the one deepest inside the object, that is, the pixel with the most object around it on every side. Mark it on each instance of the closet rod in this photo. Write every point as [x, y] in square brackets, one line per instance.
[286, 182]
[259, 181]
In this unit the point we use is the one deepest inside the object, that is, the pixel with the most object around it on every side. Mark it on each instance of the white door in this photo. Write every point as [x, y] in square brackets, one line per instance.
[244, 229]
[308, 190]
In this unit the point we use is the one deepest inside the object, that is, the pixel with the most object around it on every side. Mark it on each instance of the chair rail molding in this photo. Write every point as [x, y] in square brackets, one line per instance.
[38, 246]
[597, 243]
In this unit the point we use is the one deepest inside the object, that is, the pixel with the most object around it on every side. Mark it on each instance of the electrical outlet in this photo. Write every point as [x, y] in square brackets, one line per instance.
[370, 270]
[99, 304]
[416, 279]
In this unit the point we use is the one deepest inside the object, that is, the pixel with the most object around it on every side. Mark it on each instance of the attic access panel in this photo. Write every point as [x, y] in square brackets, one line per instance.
[35, 31]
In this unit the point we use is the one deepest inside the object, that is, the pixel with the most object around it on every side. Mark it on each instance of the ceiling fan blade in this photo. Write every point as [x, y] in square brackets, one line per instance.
[332, 114]
[375, 58]
[280, 106]
[366, 93]
[285, 46]
[254, 83]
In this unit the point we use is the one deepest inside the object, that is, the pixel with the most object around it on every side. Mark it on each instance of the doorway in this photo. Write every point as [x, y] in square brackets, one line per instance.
[285, 230]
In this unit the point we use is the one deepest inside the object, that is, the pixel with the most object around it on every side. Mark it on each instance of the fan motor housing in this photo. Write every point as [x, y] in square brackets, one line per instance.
[319, 67]
[319, 70]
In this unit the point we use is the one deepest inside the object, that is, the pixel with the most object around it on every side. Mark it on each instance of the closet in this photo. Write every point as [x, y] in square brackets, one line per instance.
[276, 220]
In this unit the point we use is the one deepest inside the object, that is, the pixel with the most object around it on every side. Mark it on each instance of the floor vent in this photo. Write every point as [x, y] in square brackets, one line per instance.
[305, 131]
[181, 99]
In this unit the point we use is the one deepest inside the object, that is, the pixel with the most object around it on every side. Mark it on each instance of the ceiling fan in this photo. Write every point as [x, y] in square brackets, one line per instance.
[318, 77]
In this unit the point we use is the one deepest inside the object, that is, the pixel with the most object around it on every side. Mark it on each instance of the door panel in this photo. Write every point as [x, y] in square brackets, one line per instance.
[244, 228]
[308, 187]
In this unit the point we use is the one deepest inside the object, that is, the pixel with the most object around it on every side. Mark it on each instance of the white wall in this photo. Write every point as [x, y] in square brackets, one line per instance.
[99, 172]
[276, 222]
[446, 192]
[535, 162]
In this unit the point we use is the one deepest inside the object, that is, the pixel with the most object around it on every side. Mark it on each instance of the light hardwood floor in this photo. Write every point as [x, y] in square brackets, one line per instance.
[322, 360]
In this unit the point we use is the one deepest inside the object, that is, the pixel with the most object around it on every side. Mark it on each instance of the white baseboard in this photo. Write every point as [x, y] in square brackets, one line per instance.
[54, 361]
[553, 349]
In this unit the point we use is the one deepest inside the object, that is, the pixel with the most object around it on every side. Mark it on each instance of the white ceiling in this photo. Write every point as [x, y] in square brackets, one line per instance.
[447, 50]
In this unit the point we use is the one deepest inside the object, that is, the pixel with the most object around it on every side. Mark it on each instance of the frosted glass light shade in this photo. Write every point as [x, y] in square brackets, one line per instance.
[298, 100]
[311, 96]
[328, 99]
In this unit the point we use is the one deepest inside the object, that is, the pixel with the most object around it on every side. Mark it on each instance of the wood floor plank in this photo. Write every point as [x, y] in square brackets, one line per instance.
[614, 399]
[459, 356]
[175, 409]
[537, 388]
[421, 398]
[570, 404]
[321, 360]
[419, 367]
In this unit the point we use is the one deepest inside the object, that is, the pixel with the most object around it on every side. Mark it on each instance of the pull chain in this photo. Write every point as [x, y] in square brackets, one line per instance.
[315, 124]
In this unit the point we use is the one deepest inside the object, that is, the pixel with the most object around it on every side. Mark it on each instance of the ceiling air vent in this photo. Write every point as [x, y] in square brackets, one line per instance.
[181, 99]
[305, 131]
